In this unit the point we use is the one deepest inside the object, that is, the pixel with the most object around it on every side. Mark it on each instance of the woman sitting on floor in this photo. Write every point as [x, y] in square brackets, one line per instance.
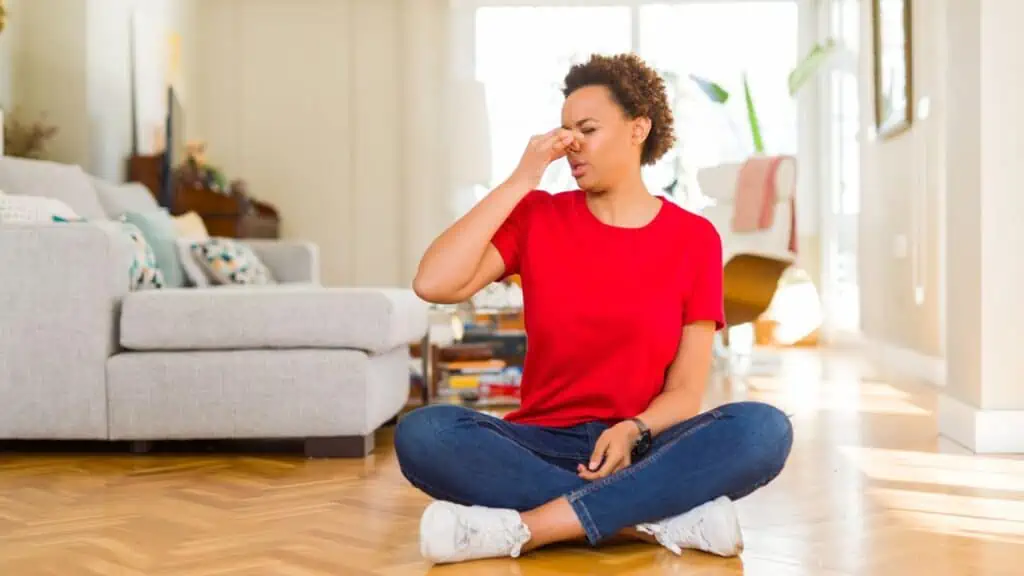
[622, 298]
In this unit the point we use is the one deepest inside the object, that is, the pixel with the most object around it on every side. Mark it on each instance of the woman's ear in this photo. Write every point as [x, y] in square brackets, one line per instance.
[641, 130]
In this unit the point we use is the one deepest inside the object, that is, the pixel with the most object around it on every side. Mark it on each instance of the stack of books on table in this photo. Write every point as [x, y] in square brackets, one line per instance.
[482, 382]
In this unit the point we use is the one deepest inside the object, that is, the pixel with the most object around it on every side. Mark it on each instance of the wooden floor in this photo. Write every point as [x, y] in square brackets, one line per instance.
[870, 489]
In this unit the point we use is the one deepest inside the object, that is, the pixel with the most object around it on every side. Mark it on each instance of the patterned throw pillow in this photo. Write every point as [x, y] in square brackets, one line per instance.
[195, 273]
[143, 273]
[231, 262]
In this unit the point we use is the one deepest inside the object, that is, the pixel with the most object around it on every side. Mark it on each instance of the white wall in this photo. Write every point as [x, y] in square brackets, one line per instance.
[70, 60]
[7, 45]
[110, 82]
[329, 110]
[108, 86]
[951, 185]
[903, 183]
[49, 72]
[964, 181]
[983, 404]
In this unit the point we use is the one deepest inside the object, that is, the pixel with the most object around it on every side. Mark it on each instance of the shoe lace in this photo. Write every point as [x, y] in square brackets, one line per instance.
[476, 532]
[672, 534]
[693, 532]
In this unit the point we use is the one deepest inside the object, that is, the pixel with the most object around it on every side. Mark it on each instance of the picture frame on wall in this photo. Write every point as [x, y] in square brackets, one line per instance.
[893, 66]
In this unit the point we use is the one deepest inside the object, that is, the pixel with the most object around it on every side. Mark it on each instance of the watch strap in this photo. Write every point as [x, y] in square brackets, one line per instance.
[643, 442]
[644, 429]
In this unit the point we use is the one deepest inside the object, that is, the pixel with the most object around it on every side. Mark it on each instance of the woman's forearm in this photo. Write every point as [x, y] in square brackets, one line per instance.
[451, 262]
[670, 408]
[454, 267]
[686, 380]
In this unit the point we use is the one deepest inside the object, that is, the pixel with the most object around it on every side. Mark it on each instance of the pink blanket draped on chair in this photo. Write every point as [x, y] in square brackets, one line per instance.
[756, 195]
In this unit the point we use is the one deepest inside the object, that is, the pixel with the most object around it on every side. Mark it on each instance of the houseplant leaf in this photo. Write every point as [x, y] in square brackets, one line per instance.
[755, 124]
[714, 91]
[820, 54]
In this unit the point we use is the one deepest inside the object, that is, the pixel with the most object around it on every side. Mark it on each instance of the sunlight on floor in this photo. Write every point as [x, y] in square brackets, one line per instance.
[965, 471]
[955, 514]
[849, 395]
[796, 308]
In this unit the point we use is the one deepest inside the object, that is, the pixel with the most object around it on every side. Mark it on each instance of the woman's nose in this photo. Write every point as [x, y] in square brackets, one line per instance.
[577, 143]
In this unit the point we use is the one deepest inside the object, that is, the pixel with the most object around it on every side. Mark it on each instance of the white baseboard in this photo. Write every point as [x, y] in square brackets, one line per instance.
[906, 363]
[981, 431]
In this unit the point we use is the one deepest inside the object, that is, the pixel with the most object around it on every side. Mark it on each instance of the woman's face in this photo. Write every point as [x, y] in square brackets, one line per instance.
[609, 141]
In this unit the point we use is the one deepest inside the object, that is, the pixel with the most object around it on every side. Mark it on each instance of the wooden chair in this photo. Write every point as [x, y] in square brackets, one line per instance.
[754, 261]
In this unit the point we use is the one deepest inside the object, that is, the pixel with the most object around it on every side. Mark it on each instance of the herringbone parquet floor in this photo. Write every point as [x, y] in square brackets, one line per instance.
[870, 490]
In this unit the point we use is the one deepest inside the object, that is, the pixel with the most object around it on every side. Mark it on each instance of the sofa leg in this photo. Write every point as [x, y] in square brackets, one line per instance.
[140, 446]
[339, 447]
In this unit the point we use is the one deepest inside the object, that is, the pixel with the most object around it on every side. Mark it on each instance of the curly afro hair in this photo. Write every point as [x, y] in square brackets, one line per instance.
[637, 88]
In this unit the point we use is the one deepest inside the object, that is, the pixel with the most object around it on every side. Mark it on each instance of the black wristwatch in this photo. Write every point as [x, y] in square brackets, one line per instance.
[643, 442]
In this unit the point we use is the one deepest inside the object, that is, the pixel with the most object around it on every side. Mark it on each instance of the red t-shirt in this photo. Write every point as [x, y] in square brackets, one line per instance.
[604, 306]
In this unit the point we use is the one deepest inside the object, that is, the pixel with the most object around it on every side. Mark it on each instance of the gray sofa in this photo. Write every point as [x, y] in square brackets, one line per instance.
[83, 357]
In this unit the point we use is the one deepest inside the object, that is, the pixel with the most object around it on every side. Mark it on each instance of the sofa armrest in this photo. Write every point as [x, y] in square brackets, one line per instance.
[289, 261]
[60, 289]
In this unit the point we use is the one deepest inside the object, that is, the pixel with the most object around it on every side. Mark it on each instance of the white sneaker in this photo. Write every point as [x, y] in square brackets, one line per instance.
[454, 533]
[713, 527]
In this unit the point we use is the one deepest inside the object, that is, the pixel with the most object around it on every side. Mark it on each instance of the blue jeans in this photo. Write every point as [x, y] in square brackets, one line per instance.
[467, 457]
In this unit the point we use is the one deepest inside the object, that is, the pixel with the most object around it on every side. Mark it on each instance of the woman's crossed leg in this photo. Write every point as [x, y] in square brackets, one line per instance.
[505, 488]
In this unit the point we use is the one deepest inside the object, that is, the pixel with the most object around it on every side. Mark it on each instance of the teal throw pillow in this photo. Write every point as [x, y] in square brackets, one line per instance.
[161, 235]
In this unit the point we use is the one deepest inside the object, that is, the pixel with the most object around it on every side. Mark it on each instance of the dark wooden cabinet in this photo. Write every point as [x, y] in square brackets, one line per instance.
[230, 215]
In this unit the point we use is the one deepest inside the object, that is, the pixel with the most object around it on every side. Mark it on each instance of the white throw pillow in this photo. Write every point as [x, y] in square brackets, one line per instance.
[21, 209]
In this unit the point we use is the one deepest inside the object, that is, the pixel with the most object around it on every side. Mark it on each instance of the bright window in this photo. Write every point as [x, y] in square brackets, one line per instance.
[522, 54]
[721, 41]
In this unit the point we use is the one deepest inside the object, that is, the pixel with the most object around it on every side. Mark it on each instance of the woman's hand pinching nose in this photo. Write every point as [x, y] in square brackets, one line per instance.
[575, 140]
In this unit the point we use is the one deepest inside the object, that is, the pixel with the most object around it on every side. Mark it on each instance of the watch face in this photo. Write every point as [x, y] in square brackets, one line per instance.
[642, 444]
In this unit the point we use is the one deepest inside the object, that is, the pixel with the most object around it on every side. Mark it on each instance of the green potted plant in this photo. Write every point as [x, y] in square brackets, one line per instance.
[822, 54]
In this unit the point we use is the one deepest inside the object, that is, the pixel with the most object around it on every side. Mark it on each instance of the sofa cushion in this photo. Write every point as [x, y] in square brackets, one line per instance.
[67, 183]
[191, 225]
[280, 316]
[253, 393]
[118, 199]
[143, 273]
